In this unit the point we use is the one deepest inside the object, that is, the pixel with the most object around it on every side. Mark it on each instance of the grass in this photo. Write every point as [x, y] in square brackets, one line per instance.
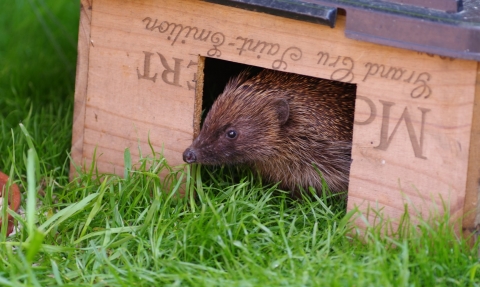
[105, 230]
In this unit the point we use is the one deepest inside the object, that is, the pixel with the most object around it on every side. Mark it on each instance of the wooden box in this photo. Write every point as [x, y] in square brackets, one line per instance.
[417, 118]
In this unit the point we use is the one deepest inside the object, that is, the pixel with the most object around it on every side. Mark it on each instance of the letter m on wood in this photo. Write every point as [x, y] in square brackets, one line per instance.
[385, 139]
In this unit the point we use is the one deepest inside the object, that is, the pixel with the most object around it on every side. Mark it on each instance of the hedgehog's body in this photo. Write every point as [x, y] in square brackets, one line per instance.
[289, 127]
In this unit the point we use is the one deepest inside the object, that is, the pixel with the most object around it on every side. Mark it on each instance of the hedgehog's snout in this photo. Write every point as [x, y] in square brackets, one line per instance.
[189, 155]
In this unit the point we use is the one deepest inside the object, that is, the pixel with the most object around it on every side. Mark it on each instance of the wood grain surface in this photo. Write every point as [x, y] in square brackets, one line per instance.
[81, 84]
[471, 219]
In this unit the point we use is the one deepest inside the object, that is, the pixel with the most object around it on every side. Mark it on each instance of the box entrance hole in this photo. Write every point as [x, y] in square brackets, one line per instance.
[214, 75]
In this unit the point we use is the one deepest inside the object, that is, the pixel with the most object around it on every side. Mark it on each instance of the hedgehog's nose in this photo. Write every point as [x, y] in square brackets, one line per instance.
[189, 156]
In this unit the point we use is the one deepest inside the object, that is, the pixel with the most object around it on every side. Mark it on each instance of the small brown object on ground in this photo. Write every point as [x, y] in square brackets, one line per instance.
[13, 201]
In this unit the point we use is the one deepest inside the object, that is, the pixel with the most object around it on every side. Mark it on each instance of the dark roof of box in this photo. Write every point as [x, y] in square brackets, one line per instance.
[444, 27]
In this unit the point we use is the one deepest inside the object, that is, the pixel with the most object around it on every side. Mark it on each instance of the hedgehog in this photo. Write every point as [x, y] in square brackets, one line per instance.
[294, 130]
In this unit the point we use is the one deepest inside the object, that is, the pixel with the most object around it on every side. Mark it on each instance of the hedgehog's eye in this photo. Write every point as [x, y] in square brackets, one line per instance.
[231, 134]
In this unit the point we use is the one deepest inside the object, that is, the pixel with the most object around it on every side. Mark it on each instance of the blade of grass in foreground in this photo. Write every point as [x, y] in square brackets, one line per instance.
[35, 239]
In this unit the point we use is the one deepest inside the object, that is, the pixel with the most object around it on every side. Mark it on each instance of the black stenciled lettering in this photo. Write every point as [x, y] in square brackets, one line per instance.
[294, 53]
[334, 64]
[398, 74]
[385, 139]
[273, 47]
[344, 74]
[244, 46]
[393, 73]
[323, 55]
[373, 111]
[201, 37]
[259, 47]
[410, 78]
[217, 40]
[175, 72]
[372, 69]
[194, 80]
[422, 89]
[162, 27]
[192, 63]
[178, 31]
[146, 68]
[191, 86]
[189, 29]
[149, 21]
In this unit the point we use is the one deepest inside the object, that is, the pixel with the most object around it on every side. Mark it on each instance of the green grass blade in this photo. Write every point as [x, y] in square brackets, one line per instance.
[31, 146]
[96, 207]
[67, 212]
[31, 191]
[127, 159]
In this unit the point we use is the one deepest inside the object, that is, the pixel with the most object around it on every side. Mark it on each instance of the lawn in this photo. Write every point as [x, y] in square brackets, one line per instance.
[134, 230]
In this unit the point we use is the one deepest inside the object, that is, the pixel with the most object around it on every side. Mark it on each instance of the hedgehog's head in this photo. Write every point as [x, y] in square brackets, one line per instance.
[243, 125]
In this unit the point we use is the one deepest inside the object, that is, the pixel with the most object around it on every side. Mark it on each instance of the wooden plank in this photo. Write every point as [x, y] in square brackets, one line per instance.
[81, 83]
[413, 117]
[197, 114]
[424, 161]
[471, 220]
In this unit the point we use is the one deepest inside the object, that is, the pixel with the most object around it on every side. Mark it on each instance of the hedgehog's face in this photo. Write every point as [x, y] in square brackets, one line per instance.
[233, 134]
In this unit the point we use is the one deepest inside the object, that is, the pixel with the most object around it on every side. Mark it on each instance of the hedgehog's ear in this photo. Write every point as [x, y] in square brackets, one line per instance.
[283, 110]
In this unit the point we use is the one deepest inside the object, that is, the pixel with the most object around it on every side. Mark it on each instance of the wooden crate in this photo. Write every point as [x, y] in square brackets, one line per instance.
[417, 118]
